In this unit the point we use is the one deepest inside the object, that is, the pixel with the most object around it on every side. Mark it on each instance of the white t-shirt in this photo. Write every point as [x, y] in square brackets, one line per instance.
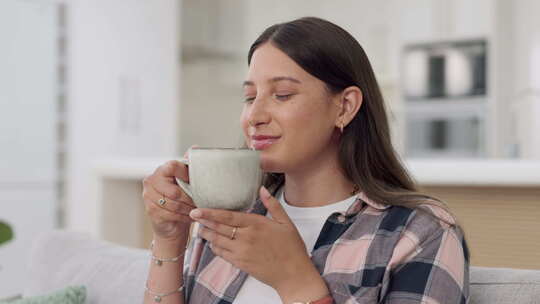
[309, 222]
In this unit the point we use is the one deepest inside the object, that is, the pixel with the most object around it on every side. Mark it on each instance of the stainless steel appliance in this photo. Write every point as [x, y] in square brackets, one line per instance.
[445, 90]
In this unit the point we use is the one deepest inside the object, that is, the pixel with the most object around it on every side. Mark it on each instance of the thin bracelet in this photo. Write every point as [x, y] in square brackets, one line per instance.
[159, 296]
[159, 261]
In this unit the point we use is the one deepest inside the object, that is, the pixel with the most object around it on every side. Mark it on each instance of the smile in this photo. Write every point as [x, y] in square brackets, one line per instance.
[262, 144]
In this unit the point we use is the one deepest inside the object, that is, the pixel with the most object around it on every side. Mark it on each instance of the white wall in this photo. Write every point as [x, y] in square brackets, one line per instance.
[27, 92]
[524, 93]
[28, 143]
[123, 91]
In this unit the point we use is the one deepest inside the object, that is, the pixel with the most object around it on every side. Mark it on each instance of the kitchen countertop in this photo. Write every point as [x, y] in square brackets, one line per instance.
[449, 172]
[469, 172]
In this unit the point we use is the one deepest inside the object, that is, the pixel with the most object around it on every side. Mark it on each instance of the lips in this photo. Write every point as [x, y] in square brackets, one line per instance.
[261, 142]
[263, 137]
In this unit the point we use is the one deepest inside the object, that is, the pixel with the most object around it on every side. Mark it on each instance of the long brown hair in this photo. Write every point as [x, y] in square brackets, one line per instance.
[366, 154]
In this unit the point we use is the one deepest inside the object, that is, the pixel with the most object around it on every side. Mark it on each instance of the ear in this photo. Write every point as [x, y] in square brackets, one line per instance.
[349, 101]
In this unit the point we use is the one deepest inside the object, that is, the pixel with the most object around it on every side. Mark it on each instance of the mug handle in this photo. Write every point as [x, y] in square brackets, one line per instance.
[185, 186]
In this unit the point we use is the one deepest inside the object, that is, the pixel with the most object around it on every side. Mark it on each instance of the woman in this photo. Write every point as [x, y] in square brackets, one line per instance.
[341, 221]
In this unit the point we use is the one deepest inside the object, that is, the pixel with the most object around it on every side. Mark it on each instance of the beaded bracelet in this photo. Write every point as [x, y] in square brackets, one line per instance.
[158, 296]
[160, 261]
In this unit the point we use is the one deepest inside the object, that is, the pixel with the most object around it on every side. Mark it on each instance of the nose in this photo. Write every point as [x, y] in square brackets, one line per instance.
[258, 113]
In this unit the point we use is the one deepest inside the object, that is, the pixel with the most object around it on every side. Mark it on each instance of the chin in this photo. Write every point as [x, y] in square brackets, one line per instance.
[269, 165]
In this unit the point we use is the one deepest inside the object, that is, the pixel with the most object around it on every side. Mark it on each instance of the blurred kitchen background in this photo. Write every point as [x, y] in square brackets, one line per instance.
[96, 94]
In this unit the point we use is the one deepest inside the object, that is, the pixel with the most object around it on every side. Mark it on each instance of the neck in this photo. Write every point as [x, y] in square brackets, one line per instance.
[320, 184]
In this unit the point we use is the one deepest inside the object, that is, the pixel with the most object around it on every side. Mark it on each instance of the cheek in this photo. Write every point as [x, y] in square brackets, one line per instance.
[309, 123]
[306, 134]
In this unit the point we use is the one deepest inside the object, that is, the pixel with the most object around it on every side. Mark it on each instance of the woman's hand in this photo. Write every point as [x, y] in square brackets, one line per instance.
[170, 221]
[270, 250]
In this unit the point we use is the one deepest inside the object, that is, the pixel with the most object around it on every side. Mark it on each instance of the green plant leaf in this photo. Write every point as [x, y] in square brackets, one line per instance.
[6, 233]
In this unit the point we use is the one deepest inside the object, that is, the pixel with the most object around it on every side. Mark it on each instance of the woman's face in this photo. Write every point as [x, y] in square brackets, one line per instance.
[286, 102]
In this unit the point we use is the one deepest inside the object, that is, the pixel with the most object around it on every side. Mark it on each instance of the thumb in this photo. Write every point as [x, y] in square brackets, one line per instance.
[274, 206]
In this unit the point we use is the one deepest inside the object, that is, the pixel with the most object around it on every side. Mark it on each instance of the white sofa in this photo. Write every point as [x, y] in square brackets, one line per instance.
[115, 274]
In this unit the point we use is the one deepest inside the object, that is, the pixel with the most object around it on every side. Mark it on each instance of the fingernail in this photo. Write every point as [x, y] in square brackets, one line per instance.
[265, 192]
[195, 213]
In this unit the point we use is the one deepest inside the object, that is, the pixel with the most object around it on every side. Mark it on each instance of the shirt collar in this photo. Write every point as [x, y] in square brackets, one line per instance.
[355, 207]
[363, 199]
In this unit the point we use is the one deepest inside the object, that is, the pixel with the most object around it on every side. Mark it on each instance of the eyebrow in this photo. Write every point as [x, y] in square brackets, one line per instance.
[274, 79]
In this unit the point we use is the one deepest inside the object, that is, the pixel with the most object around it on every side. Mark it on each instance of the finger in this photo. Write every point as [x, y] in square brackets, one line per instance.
[223, 253]
[180, 207]
[160, 215]
[216, 239]
[172, 169]
[231, 218]
[185, 176]
[169, 189]
[223, 229]
[274, 206]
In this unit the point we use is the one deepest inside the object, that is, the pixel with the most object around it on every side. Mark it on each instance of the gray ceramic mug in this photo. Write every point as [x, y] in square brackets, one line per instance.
[222, 178]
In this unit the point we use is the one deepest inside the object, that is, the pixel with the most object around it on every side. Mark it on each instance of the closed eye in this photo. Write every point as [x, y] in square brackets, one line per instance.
[249, 99]
[283, 97]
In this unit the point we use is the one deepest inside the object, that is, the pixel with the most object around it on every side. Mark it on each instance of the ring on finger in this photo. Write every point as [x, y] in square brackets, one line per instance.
[162, 201]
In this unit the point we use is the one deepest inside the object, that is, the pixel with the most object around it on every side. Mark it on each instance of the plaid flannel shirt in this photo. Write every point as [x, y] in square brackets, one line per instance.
[372, 253]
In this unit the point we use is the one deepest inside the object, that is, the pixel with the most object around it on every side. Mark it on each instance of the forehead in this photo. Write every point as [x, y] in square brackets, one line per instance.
[269, 62]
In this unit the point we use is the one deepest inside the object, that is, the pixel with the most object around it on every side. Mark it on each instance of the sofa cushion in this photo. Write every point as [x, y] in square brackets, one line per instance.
[503, 285]
[111, 273]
